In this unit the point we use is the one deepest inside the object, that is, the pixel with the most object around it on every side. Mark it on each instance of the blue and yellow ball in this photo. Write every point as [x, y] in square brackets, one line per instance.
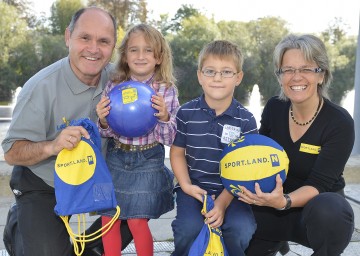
[250, 159]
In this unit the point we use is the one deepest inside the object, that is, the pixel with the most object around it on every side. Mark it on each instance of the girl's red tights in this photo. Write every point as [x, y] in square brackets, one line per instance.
[139, 229]
[112, 239]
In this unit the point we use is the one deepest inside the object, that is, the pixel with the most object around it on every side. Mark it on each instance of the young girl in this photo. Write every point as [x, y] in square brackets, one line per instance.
[143, 186]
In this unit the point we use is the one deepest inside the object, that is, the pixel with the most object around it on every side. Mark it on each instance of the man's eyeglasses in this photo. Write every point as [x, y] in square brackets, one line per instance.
[224, 73]
[292, 71]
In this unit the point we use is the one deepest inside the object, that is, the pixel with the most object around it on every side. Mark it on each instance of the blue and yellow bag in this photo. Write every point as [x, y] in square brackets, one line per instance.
[83, 184]
[210, 241]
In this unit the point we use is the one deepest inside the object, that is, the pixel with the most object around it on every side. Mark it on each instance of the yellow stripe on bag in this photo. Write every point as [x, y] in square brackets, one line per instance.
[82, 238]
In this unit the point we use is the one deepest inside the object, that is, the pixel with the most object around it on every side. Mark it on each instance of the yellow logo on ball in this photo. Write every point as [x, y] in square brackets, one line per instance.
[72, 167]
[129, 95]
[253, 163]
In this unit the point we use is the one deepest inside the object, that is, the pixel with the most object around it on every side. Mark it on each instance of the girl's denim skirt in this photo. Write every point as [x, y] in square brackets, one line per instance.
[143, 184]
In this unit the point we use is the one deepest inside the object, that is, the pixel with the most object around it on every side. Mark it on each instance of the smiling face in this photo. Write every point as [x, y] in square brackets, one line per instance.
[299, 87]
[219, 90]
[90, 45]
[140, 57]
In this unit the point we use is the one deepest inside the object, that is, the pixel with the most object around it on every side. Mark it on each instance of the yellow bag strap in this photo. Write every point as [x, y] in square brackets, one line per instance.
[81, 237]
[204, 210]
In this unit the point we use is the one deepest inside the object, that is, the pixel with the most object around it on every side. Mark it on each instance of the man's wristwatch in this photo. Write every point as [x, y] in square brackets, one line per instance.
[288, 203]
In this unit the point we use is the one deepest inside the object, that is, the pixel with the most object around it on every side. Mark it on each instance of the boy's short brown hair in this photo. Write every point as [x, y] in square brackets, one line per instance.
[222, 49]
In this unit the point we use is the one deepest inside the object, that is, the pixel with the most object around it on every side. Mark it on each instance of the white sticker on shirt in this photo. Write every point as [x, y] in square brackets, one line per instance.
[230, 133]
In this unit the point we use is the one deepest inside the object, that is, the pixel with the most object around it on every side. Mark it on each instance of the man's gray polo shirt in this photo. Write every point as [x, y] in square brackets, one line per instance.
[47, 101]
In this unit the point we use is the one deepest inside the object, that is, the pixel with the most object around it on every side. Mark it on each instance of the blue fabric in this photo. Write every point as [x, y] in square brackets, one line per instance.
[97, 192]
[200, 245]
[143, 184]
[198, 127]
[237, 229]
[91, 128]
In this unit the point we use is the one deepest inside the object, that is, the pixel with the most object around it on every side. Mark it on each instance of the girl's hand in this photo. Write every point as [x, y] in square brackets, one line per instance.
[159, 104]
[102, 110]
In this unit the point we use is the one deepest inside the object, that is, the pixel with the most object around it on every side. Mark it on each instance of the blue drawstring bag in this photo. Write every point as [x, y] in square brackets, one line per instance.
[83, 184]
[210, 240]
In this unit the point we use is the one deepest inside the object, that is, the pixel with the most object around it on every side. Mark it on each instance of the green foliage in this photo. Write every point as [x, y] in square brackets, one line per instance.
[342, 57]
[24, 11]
[183, 13]
[186, 45]
[24, 61]
[12, 30]
[22, 55]
[25, 51]
[126, 12]
[7, 78]
[265, 34]
[61, 13]
[51, 48]
[12, 34]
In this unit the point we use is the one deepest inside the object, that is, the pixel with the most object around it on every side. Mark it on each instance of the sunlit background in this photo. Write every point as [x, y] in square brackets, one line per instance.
[307, 16]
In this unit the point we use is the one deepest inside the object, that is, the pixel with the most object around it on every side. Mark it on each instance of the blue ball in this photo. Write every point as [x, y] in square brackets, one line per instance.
[131, 113]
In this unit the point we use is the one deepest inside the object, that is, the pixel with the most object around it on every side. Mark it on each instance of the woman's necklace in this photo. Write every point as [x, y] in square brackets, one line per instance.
[308, 122]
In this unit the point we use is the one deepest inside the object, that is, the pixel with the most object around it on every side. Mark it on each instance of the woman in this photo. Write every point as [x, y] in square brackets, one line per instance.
[318, 136]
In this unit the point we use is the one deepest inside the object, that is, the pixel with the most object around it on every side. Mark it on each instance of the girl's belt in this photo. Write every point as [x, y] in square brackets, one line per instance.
[128, 147]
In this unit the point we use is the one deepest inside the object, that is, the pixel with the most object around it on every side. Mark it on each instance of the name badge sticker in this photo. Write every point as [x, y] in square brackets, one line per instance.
[311, 149]
[230, 133]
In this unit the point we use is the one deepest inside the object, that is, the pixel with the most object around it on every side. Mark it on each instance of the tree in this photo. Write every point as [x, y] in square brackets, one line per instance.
[184, 12]
[342, 60]
[186, 45]
[12, 30]
[25, 11]
[50, 49]
[266, 33]
[7, 85]
[12, 34]
[32, 55]
[61, 13]
[342, 52]
[25, 62]
[126, 12]
[335, 32]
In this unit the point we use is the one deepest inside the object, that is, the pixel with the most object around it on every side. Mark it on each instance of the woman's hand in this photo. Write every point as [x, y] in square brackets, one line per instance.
[274, 199]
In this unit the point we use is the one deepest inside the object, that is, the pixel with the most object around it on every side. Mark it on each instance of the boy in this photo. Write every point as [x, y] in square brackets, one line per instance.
[205, 125]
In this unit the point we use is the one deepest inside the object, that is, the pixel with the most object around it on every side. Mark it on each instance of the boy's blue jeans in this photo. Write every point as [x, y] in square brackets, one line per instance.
[238, 227]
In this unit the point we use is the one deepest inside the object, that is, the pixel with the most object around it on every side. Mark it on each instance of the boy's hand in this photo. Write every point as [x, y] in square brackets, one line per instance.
[159, 104]
[215, 217]
[102, 110]
[194, 191]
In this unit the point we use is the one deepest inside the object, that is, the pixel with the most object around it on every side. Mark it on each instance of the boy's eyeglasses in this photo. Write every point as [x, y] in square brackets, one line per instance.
[224, 73]
[304, 71]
